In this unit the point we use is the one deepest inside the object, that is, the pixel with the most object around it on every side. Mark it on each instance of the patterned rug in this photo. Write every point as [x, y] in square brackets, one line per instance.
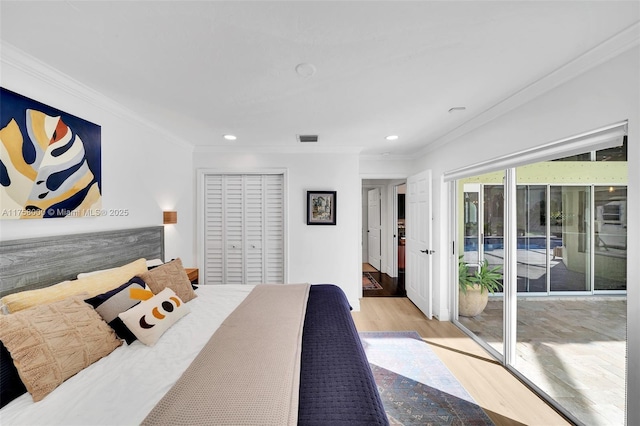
[370, 283]
[415, 386]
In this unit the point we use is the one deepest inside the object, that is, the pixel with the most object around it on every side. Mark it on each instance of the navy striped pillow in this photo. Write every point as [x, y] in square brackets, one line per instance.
[114, 302]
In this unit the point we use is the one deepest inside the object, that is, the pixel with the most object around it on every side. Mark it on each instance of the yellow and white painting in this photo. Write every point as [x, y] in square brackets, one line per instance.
[50, 161]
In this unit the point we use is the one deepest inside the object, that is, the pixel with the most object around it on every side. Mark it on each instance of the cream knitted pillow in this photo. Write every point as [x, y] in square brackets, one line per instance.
[50, 343]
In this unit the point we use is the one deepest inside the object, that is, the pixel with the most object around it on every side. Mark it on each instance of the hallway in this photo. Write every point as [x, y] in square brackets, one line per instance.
[391, 287]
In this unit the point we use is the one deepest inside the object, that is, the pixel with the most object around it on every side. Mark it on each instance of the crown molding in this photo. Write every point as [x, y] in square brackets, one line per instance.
[383, 176]
[605, 51]
[274, 149]
[29, 65]
[387, 157]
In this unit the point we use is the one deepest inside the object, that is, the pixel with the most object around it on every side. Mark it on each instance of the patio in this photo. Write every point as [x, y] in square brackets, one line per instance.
[573, 348]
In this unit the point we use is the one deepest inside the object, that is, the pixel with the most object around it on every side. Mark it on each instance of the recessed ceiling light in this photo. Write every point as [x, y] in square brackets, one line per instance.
[459, 108]
[392, 137]
[230, 137]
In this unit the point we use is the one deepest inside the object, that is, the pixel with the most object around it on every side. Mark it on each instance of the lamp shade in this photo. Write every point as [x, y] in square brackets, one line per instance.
[169, 217]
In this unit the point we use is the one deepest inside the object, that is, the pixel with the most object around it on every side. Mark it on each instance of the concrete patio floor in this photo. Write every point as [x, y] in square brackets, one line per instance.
[573, 348]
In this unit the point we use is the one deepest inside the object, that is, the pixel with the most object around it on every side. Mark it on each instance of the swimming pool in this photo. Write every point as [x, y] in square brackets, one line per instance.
[524, 243]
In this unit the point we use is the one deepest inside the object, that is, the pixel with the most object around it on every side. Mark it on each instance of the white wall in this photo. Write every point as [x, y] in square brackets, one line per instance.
[143, 171]
[316, 254]
[604, 95]
[384, 167]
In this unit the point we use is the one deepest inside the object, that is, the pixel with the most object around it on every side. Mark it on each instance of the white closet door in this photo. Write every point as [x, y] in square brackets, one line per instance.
[233, 229]
[244, 229]
[274, 228]
[213, 230]
[253, 229]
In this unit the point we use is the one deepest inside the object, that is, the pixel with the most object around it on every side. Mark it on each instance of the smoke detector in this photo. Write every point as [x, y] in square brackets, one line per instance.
[305, 70]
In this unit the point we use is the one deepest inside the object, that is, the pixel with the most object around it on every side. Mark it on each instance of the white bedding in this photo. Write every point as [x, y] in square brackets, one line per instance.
[123, 387]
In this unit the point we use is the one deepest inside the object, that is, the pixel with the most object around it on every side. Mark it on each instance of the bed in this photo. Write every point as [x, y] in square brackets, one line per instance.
[242, 354]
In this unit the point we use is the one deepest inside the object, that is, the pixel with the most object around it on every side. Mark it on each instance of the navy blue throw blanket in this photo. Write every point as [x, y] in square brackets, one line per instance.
[336, 383]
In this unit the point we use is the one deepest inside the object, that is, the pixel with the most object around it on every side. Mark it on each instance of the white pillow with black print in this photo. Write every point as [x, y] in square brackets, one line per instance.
[150, 319]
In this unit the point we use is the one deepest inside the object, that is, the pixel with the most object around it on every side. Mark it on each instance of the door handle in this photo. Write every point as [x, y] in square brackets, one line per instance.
[427, 251]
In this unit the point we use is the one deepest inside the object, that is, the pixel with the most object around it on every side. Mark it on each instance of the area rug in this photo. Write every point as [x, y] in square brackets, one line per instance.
[415, 386]
[370, 283]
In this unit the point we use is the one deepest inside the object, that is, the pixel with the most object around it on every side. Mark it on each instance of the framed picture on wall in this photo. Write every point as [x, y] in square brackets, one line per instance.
[321, 207]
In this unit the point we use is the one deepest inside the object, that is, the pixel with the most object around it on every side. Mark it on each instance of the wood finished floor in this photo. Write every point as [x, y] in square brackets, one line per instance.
[391, 287]
[504, 398]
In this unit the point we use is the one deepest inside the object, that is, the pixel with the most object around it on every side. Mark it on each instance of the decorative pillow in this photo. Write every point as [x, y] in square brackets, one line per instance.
[170, 275]
[94, 285]
[150, 264]
[89, 274]
[50, 343]
[154, 263]
[113, 302]
[151, 318]
[11, 386]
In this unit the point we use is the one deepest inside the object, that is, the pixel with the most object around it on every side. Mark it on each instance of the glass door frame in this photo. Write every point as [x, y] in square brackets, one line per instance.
[478, 189]
[510, 295]
[606, 137]
[453, 190]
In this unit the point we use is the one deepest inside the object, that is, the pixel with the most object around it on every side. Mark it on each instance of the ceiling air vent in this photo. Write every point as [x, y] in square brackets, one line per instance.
[307, 138]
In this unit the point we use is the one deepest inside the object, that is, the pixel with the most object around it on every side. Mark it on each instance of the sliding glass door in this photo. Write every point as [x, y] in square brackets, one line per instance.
[569, 253]
[483, 240]
[571, 238]
[610, 234]
[569, 268]
[533, 248]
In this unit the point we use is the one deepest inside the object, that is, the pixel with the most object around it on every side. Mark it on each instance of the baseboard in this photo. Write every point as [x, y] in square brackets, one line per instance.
[443, 315]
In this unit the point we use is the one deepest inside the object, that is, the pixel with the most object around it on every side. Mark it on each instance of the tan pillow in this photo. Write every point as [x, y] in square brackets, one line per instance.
[94, 285]
[170, 275]
[50, 343]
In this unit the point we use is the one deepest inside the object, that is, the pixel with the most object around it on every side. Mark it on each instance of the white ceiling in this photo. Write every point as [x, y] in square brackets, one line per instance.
[202, 69]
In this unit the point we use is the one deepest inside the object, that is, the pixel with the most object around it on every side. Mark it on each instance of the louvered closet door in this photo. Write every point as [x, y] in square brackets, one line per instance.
[233, 210]
[274, 228]
[253, 229]
[213, 230]
[244, 229]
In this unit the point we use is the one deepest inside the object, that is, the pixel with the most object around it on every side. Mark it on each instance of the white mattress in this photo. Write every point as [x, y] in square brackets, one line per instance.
[123, 387]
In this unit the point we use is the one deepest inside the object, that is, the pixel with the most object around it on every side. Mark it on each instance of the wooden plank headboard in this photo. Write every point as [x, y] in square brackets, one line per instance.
[39, 262]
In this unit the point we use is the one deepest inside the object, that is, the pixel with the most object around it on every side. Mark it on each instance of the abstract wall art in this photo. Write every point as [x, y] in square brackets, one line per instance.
[50, 161]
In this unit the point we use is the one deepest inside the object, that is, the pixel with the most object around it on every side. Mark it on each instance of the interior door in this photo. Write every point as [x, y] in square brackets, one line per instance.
[374, 228]
[419, 250]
